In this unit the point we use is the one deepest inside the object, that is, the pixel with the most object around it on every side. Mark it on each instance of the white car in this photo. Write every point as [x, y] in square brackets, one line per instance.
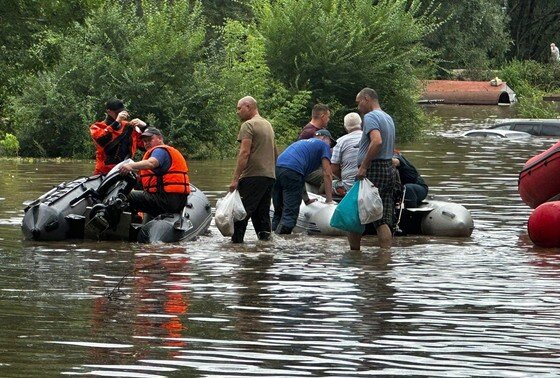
[496, 134]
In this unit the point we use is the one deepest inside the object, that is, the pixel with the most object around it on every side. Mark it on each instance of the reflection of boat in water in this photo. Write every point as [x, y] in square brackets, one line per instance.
[538, 181]
[95, 208]
[433, 217]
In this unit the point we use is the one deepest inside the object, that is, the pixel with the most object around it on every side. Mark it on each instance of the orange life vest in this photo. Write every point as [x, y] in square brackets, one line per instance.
[113, 146]
[175, 180]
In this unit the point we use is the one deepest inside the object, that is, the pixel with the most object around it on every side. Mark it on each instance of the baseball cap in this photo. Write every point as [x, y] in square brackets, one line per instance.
[151, 131]
[325, 132]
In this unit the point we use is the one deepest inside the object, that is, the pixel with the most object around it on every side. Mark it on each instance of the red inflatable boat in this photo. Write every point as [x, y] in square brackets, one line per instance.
[539, 181]
[544, 224]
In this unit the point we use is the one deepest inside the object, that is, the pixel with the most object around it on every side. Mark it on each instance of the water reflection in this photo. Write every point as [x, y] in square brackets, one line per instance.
[299, 305]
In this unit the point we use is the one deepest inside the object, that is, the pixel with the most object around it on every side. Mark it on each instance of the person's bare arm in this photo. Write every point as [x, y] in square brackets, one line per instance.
[150, 163]
[336, 170]
[372, 151]
[242, 159]
[327, 178]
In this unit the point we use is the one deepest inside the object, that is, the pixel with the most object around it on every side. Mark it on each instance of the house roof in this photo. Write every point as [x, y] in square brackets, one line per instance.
[467, 92]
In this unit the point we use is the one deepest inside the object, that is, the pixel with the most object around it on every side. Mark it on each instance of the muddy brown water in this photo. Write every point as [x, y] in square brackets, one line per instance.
[488, 305]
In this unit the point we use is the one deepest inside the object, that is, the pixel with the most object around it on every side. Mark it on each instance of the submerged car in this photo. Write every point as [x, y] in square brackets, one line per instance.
[540, 127]
[496, 134]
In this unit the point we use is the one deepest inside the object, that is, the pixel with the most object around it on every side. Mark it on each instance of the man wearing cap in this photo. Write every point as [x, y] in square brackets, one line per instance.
[345, 153]
[254, 172]
[293, 165]
[115, 138]
[163, 173]
[375, 162]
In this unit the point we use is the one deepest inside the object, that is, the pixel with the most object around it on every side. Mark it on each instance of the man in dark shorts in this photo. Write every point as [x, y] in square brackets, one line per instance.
[254, 173]
[374, 162]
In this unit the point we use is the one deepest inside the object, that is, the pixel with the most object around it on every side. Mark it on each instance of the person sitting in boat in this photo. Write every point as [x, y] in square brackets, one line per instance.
[416, 189]
[163, 173]
[344, 162]
[293, 165]
[115, 138]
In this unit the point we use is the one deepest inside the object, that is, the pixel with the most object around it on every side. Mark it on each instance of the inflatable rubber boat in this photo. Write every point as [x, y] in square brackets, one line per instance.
[95, 208]
[538, 181]
[544, 224]
[433, 217]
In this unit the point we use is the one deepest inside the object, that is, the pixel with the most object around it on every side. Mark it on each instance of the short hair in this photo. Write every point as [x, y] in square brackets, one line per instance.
[115, 104]
[352, 121]
[368, 92]
[318, 110]
[249, 100]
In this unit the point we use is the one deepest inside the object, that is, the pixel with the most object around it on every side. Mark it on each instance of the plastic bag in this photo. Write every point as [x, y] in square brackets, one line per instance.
[346, 216]
[228, 210]
[370, 205]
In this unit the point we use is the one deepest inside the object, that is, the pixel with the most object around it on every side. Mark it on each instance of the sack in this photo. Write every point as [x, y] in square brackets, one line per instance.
[346, 216]
[369, 202]
[228, 210]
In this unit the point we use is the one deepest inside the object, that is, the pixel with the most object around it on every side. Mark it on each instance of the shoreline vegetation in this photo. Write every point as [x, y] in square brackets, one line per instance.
[183, 64]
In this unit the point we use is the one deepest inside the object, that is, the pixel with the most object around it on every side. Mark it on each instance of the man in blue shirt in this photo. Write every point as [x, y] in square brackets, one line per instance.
[163, 173]
[292, 166]
[374, 162]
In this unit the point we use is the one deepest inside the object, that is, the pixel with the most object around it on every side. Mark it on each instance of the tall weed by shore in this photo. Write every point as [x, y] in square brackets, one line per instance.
[531, 81]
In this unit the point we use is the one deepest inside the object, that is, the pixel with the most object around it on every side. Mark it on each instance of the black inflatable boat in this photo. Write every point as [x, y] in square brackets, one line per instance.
[95, 208]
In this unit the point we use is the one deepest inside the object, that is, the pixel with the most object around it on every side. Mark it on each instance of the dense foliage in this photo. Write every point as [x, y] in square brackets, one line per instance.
[459, 40]
[183, 64]
[532, 80]
[335, 48]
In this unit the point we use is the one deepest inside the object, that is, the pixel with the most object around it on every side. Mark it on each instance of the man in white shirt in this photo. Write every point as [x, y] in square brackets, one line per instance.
[344, 158]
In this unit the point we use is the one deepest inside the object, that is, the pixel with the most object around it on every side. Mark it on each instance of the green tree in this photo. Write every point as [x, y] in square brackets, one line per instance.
[533, 26]
[241, 70]
[473, 34]
[149, 61]
[334, 48]
[24, 24]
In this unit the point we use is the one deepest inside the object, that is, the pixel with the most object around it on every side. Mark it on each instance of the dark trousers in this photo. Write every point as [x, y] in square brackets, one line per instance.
[414, 195]
[158, 203]
[255, 194]
[286, 197]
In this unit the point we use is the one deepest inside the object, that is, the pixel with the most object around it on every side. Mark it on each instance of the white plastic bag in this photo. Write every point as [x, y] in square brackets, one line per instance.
[370, 206]
[228, 210]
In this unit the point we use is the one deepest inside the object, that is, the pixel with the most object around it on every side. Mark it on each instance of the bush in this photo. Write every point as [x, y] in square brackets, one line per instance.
[9, 146]
[531, 81]
[335, 48]
[241, 70]
[150, 62]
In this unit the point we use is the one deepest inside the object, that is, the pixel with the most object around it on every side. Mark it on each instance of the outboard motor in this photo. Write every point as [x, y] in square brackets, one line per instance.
[106, 215]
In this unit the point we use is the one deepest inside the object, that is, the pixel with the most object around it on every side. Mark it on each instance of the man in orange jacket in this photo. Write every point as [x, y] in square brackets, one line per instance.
[115, 138]
[163, 173]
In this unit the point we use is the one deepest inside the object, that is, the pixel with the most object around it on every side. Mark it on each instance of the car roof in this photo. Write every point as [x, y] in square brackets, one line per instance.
[503, 122]
[500, 133]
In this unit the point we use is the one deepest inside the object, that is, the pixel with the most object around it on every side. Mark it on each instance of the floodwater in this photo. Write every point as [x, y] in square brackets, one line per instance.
[488, 305]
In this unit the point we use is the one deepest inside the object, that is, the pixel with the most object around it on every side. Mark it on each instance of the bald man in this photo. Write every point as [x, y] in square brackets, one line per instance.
[254, 173]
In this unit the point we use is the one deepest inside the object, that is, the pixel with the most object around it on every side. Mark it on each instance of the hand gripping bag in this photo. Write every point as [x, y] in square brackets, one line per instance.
[228, 210]
[346, 216]
[370, 205]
